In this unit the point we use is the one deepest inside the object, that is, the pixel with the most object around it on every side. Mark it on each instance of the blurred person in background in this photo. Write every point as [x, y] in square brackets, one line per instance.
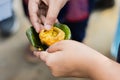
[75, 14]
[8, 21]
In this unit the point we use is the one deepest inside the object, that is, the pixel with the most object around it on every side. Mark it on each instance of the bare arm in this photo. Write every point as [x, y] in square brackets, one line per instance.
[105, 69]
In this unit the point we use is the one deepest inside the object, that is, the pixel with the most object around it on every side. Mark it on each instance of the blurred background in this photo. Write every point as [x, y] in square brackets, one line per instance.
[16, 64]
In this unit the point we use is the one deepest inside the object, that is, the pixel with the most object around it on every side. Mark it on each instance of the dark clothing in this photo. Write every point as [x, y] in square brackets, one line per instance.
[78, 27]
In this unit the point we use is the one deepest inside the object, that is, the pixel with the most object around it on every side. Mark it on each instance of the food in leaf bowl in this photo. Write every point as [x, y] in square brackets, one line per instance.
[41, 41]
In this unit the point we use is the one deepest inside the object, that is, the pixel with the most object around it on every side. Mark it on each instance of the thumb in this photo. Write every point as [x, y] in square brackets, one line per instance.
[42, 55]
[51, 16]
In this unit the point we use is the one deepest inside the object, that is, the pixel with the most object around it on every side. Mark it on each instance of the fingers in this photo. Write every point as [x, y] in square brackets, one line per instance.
[51, 16]
[48, 27]
[42, 55]
[45, 6]
[59, 46]
[33, 10]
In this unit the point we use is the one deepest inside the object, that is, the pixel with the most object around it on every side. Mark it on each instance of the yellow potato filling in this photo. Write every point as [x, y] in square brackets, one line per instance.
[51, 36]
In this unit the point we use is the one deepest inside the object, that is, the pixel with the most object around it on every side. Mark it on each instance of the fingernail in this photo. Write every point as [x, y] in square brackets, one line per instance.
[47, 27]
[37, 30]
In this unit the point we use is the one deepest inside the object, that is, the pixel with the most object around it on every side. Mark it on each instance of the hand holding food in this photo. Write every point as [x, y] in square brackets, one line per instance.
[46, 38]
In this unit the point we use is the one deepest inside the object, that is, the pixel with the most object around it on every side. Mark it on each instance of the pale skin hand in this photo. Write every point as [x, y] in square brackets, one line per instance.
[43, 13]
[73, 59]
[68, 58]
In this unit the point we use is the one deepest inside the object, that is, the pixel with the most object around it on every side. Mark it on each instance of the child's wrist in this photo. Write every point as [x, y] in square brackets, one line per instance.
[103, 68]
[93, 64]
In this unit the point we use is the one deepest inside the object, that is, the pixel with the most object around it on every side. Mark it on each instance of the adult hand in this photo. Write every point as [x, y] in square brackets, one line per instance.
[69, 58]
[43, 13]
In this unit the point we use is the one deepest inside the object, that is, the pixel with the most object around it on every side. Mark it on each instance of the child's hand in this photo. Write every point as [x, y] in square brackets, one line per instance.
[68, 58]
